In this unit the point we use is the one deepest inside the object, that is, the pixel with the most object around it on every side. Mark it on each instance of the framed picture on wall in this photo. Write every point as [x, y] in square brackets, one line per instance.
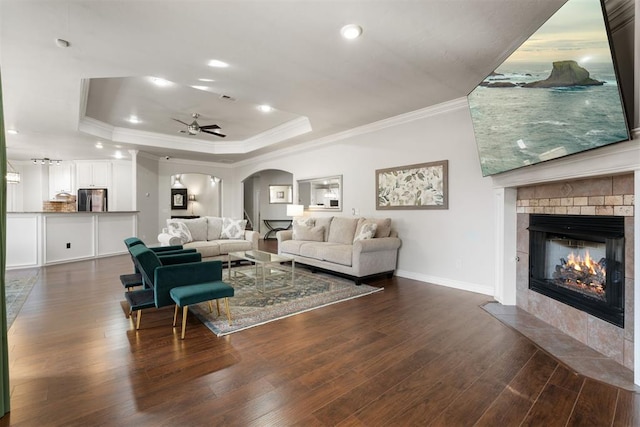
[280, 194]
[179, 198]
[421, 186]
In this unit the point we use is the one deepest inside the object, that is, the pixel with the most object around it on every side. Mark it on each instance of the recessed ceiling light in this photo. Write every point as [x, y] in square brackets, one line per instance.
[217, 63]
[206, 80]
[99, 145]
[134, 119]
[118, 155]
[200, 87]
[265, 108]
[12, 131]
[160, 81]
[351, 31]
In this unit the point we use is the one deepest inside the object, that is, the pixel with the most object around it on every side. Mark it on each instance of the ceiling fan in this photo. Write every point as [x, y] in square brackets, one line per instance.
[194, 128]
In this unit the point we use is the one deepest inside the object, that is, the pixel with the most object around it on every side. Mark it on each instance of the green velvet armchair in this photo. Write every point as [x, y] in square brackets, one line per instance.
[199, 282]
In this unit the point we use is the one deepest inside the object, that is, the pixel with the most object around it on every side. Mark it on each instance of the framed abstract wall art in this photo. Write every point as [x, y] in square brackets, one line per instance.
[420, 186]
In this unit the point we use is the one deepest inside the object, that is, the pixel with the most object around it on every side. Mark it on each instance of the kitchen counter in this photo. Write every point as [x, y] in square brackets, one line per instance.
[41, 238]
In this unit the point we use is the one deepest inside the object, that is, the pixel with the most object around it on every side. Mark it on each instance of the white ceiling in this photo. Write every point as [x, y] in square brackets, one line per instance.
[288, 54]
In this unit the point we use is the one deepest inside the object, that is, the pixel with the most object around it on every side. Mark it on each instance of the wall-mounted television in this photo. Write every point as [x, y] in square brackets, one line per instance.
[556, 95]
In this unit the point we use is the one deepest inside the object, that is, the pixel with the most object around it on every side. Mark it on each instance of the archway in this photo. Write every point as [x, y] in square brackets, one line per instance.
[258, 205]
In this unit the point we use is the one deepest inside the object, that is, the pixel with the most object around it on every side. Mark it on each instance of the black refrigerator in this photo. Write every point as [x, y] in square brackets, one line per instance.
[92, 200]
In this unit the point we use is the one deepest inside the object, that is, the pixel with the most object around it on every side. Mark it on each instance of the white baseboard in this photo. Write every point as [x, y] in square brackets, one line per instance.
[449, 283]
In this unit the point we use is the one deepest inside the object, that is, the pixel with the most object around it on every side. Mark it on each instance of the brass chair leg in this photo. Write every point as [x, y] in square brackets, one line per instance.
[138, 319]
[184, 319]
[175, 315]
[210, 306]
[218, 306]
[226, 303]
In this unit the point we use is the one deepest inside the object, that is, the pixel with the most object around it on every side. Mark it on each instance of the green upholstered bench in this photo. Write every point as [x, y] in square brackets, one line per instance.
[184, 296]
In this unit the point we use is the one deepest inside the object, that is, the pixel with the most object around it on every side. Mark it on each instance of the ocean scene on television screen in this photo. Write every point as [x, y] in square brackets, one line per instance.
[556, 95]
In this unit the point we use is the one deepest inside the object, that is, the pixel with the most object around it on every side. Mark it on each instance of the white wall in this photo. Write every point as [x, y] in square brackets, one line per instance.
[147, 198]
[453, 247]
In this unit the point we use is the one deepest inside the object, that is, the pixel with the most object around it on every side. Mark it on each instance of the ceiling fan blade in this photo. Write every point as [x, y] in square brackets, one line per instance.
[210, 127]
[213, 133]
[180, 121]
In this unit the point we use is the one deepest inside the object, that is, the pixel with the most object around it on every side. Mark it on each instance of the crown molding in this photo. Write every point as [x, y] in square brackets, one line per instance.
[401, 119]
[434, 110]
[272, 136]
[290, 129]
[177, 161]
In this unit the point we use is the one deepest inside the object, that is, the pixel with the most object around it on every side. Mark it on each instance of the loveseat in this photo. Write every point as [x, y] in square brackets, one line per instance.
[212, 237]
[357, 248]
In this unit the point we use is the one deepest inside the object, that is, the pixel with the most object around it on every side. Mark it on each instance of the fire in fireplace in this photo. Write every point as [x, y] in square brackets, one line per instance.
[582, 274]
[579, 260]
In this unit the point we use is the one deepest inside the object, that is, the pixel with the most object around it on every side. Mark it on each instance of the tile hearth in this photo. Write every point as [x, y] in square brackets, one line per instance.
[576, 355]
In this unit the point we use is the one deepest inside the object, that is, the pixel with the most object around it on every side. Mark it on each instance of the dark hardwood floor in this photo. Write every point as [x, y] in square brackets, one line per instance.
[415, 354]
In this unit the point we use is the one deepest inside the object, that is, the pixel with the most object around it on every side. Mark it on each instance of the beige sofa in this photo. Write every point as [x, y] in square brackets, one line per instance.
[357, 248]
[212, 237]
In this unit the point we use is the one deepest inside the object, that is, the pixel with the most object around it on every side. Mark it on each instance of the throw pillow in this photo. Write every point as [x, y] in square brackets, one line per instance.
[180, 230]
[326, 223]
[214, 227]
[233, 228]
[366, 231]
[198, 228]
[384, 226]
[311, 234]
[307, 222]
[342, 230]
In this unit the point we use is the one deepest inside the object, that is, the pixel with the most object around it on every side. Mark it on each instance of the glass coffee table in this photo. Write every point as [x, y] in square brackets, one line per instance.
[266, 265]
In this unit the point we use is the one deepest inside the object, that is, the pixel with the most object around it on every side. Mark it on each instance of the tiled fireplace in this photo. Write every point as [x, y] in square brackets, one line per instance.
[577, 205]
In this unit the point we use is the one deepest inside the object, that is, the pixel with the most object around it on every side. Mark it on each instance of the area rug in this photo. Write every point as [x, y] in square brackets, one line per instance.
[250, 308]
[18, 285]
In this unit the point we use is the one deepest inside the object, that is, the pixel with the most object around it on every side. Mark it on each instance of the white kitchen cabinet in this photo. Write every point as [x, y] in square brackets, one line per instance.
[61, 179]
[93, 174]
